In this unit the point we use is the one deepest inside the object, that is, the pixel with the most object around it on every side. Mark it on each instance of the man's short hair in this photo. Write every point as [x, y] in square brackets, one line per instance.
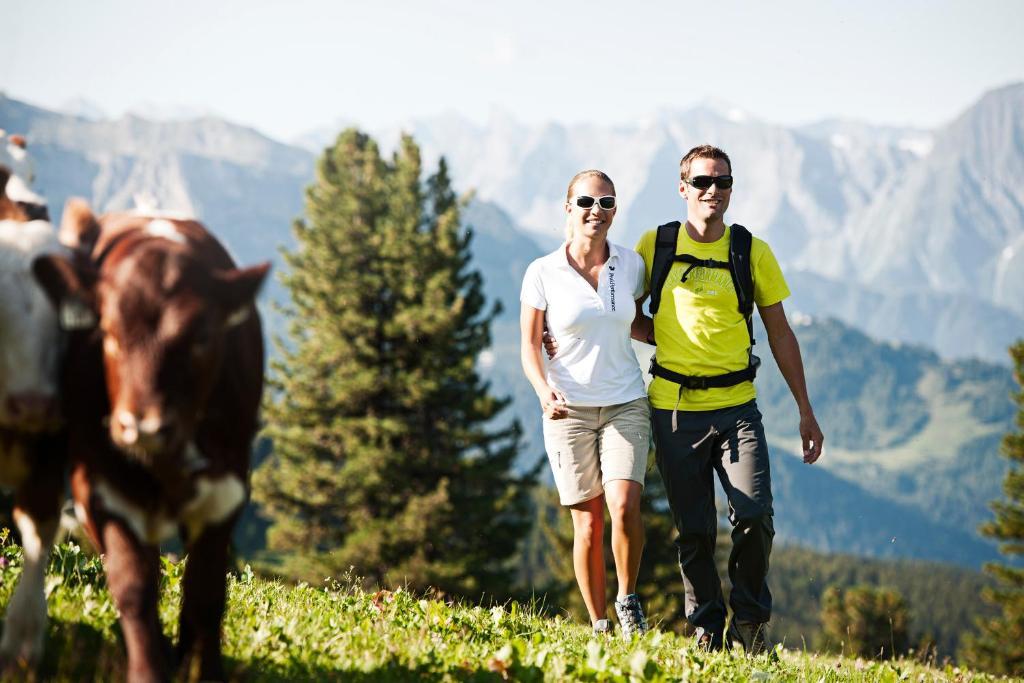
[701, 152]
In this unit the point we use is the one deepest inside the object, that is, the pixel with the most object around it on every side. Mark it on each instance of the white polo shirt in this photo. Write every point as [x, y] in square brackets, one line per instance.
[595, 364]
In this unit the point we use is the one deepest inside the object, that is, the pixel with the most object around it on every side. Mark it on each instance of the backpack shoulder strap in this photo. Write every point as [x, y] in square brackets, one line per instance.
[740, 268]
[664, 254]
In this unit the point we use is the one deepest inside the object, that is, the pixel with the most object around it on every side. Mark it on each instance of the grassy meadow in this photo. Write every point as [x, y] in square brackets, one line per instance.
[339, 631]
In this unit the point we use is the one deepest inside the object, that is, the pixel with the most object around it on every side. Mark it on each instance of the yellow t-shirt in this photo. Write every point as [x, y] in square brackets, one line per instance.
[698, 328]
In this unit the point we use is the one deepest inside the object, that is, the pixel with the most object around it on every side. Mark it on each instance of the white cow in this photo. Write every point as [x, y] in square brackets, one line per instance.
[31, 460]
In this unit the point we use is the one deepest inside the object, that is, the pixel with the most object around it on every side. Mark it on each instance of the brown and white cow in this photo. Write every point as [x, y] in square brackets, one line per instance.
[161, 398]
[32, 451]
[19, 201]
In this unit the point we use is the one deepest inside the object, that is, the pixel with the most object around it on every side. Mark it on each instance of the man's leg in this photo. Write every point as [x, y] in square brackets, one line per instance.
[684, 460]
[742, 465]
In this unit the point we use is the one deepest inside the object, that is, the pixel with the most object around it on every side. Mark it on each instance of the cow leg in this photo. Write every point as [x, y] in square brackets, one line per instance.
[203, 599]
[37, 515]
[25, 625]
[81, 494]
[133, 577]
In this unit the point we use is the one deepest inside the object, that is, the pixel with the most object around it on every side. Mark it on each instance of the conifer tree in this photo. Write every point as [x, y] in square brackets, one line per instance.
[865, 621]
[999, 645]
[386, 457]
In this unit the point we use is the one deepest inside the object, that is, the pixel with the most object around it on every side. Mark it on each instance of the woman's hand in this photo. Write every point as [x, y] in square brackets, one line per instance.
[552, 402]
[531, 324]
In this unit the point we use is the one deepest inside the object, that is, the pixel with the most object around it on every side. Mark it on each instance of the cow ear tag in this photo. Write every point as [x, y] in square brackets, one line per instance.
[74, 315]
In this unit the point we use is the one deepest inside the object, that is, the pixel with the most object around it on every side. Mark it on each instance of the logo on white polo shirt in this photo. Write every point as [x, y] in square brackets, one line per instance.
[611, 285]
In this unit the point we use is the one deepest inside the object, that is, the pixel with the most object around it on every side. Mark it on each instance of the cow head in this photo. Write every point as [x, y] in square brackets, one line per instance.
[17, 200]
[9, 210]
[165, 320]
[79, 228]
[30, 339]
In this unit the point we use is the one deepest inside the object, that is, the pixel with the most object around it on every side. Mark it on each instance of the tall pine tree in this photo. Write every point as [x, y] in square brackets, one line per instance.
[385, 454]
[999, 646]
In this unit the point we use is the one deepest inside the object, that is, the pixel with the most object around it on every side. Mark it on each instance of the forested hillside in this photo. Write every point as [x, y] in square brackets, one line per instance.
[902, 424]
[799, 577]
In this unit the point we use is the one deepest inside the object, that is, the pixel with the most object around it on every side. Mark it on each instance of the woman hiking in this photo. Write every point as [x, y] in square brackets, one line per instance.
[596, 414]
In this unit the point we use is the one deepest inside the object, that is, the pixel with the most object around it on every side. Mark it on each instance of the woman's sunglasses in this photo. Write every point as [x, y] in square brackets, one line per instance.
[703, 182]
[606, 202]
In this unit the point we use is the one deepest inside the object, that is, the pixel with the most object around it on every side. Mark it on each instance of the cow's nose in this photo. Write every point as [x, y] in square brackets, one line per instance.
[155, 431]
[128, 427]
[32, 409]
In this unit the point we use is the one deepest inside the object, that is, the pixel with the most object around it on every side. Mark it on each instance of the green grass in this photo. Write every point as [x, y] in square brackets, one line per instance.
[338, 631]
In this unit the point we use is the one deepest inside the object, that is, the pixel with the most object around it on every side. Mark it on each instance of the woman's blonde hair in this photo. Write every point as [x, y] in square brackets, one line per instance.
[589, 173]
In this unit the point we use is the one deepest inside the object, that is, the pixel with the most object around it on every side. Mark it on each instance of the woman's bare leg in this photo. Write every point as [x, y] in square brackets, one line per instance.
[588, 554]
[623, 498]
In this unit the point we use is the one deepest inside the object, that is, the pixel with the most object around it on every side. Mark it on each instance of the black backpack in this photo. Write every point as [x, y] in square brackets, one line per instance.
[739, 268]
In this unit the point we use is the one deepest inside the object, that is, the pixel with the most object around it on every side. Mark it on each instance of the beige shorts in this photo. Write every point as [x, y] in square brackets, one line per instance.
[595, 445]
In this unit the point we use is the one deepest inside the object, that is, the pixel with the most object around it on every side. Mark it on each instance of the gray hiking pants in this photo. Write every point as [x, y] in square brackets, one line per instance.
[729, 441]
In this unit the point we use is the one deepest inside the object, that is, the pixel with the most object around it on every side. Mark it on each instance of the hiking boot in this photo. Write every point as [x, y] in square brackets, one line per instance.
[708, 641]
[602, 627]
[631, 616]
[749, 634]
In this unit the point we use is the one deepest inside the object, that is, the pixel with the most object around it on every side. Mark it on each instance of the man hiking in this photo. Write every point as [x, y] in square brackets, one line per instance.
[705, 416]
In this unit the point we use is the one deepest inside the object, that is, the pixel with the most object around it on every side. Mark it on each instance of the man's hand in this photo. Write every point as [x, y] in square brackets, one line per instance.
[550, 345]
[552, 402]
[810, 434]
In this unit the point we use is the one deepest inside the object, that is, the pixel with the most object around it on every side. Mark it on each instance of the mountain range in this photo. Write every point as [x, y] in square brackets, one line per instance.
[913, 424]
[912, 235]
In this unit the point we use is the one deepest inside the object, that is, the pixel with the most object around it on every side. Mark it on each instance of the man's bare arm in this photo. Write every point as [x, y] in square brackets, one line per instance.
[786, 350]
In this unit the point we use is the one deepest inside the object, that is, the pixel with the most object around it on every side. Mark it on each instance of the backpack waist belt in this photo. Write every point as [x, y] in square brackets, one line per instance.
[727, 379]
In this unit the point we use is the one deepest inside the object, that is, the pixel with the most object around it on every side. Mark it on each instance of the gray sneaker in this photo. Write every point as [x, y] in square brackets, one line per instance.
[631, 616]
[602, 627]
[749, 634]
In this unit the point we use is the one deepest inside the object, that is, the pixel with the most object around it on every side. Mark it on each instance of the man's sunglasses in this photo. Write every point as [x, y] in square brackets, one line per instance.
[703, 182]
[606, 202]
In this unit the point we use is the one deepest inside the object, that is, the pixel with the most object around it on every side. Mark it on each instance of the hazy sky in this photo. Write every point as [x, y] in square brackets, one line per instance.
[287, 67]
